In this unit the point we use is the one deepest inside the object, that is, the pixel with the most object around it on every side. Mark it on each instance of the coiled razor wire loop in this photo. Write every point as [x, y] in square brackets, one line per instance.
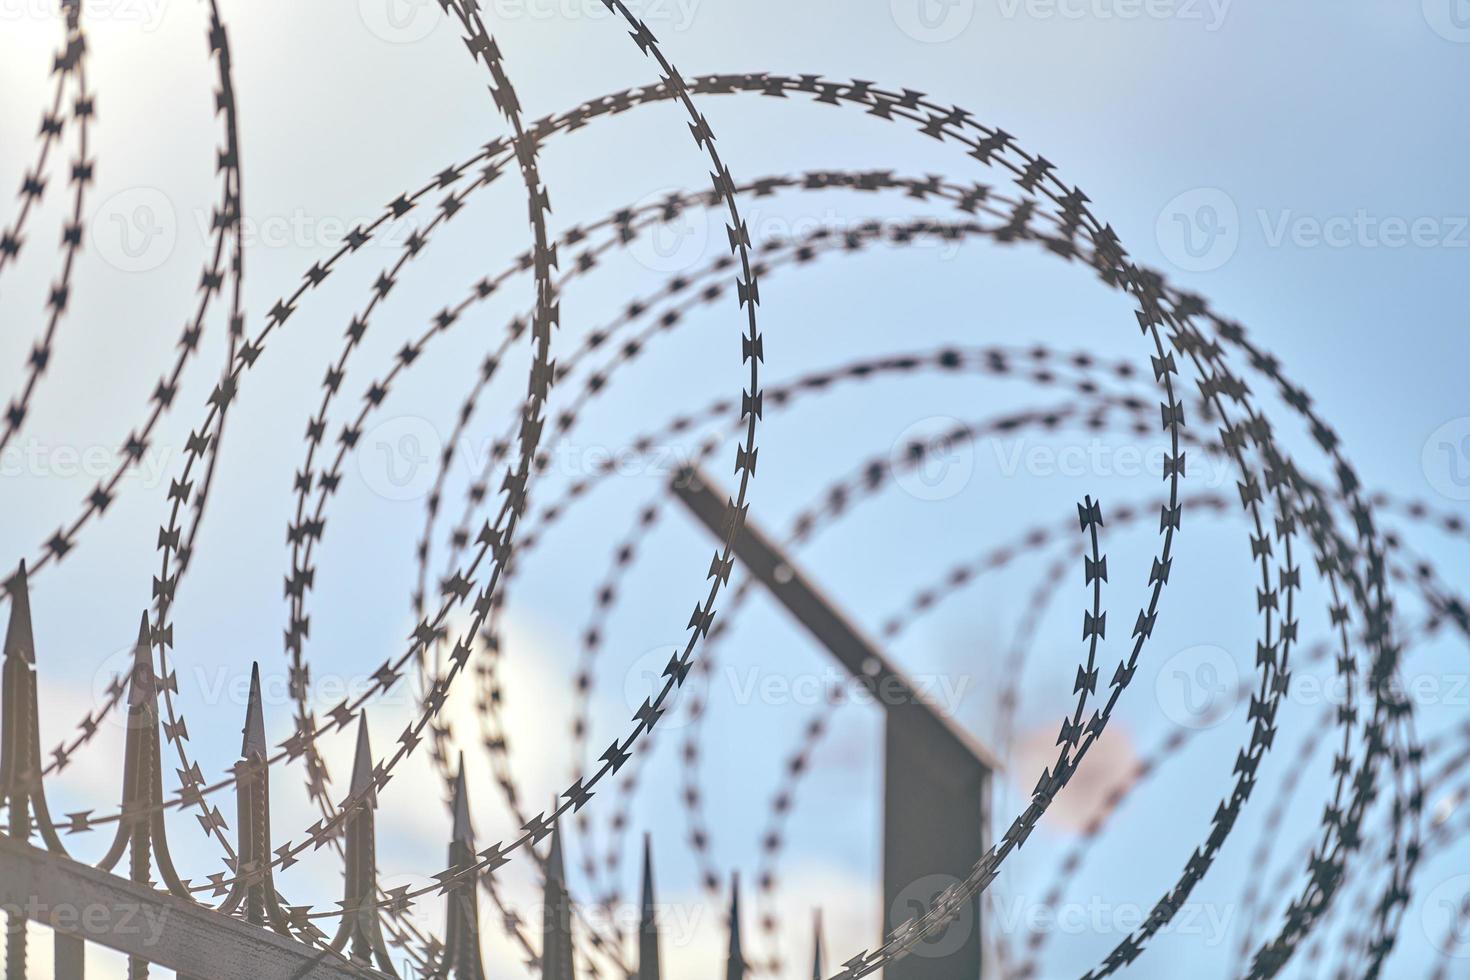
[228, 239]
[67, 67]
[963, 575]
[1177, 739]
[482, 46]
[359, 236]
[671, 207]
[452, 316]
[500, 536]
[926, 598]
[227, 227]
[996, 361]
[925, 601]
[1279, 501]
[71, 72]
[596, 383]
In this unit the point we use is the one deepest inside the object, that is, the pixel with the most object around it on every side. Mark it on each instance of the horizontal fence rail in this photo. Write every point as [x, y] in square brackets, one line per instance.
[161, 929]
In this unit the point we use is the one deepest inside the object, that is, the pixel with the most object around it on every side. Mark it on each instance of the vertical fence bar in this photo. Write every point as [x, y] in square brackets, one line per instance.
[15, 749]
[71, 957]
[15, 946]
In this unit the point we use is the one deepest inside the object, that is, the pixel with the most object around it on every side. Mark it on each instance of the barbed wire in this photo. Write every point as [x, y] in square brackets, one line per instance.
[1284, 509]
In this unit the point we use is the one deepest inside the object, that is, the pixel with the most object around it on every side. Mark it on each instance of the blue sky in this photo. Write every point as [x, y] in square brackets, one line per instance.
[1298, 164]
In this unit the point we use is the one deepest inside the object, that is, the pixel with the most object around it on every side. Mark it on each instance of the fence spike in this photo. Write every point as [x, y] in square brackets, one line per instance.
[21, 789]
[19, 640]
[817, 971]
[464, 830]
[254, 744]
[362, 765]
[140, 832]
[360, 932]
[461, 958]
[253, 893]
[556, 922]
[648, 959]
[735, 965]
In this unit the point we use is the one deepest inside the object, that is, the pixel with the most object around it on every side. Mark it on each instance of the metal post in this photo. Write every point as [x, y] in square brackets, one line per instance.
[936, 777]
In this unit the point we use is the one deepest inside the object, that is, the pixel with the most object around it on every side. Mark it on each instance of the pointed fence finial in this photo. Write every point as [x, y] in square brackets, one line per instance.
[360, 933]
[254, 744]
[648, 960]
[556, 923]
[362, 764]
[253, 892]
[817, 971]
[735, 965]
[19, 641]
[141, 687]
[464, 828]
[141, 833]
[21, 790]
[461, 958]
